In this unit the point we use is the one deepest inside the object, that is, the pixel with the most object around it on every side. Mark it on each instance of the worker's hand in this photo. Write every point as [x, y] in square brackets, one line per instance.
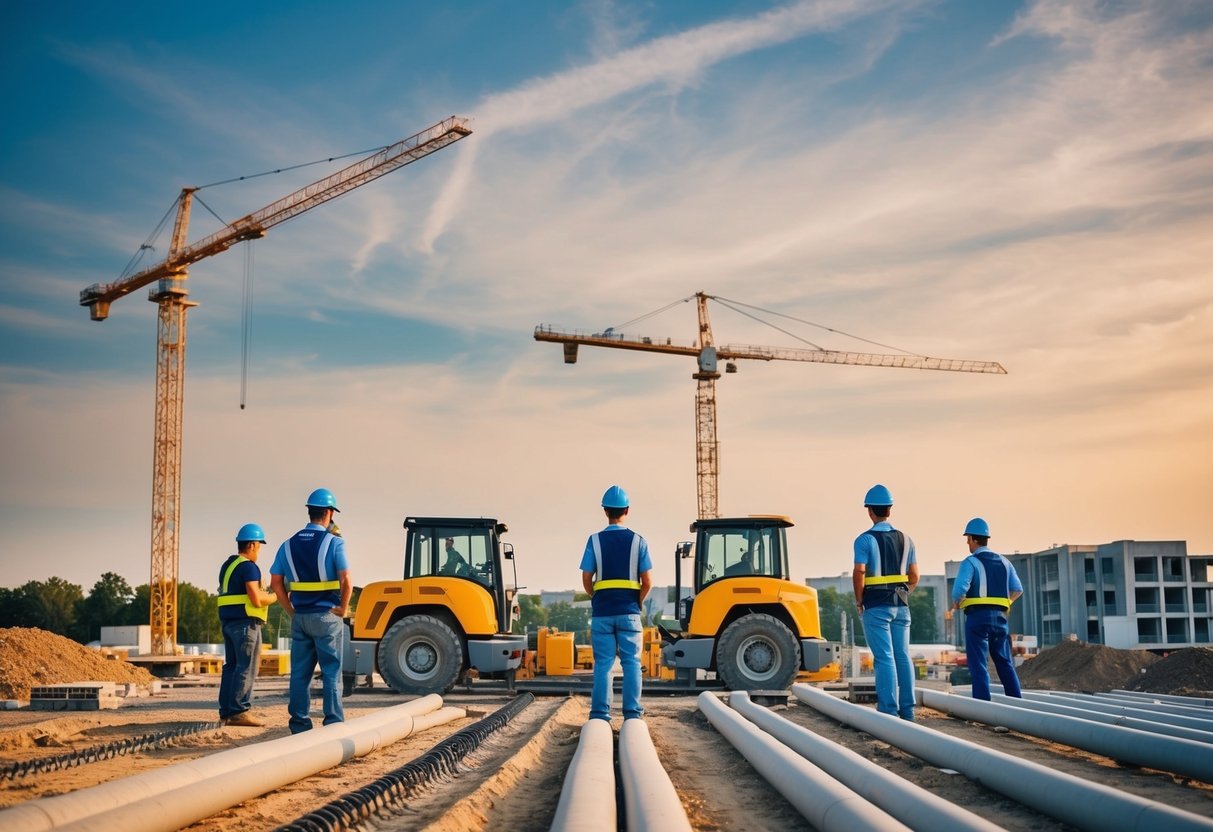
[947, 615]
[340, 611]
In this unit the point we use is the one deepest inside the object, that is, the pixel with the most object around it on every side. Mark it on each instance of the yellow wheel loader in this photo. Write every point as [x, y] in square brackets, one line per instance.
[745, 618]
[451, 612]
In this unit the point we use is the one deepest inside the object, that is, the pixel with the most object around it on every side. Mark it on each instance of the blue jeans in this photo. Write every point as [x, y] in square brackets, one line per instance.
[986, 635]
[241, 654]
[887, 630]
[315, 637]
[610, 636]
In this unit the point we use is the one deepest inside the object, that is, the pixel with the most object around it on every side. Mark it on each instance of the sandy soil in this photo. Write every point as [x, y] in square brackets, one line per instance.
[514, 780]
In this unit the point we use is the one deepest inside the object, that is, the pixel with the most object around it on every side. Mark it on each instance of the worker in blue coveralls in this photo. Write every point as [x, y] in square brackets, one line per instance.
[986, 586]
[311, 578]
[615, 571]
[243, 609]
[884, 575]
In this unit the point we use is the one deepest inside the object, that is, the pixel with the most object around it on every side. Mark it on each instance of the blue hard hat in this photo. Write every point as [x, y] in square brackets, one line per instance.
[249, 532]
[615, 497]
[978, 528]
[322, 498]
[878, 495]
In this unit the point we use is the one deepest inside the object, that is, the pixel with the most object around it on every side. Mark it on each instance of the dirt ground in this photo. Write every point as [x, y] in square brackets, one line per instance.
[513, 781]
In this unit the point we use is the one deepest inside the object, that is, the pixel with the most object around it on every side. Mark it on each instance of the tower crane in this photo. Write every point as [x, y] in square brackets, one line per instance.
[709, 357]
[168, 290]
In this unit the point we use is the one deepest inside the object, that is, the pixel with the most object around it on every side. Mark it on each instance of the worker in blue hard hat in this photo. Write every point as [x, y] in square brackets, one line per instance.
[615, 569]
[243, 606]
[884, 574]
[986, 586]
[311, 578]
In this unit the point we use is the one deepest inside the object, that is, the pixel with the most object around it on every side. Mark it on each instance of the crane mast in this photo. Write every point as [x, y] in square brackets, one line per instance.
[707, 447]
[171, 294]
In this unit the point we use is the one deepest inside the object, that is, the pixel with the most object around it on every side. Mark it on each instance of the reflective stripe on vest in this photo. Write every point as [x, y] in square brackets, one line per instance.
[226, 599]
[296, 585]
[980, 585]
[631, 581]
[878, 579]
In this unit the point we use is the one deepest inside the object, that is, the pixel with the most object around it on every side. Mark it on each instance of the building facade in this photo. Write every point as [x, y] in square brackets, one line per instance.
[1128, 594]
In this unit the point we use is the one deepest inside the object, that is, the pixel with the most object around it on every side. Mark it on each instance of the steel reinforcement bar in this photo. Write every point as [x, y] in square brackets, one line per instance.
[106, 751]
[394, 788]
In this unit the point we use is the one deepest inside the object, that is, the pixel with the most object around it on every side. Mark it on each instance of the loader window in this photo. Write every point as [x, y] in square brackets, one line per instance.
[736, 552]
[466, 553]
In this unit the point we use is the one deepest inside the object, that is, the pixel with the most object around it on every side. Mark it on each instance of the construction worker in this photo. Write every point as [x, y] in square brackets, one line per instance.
[885, 573]
[615, 571]
[986, 586]
[311, 578]
[455, 563]
[243, 608]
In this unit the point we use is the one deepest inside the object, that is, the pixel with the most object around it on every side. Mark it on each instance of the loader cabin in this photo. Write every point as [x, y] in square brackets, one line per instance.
[465, 548]
[735, 547]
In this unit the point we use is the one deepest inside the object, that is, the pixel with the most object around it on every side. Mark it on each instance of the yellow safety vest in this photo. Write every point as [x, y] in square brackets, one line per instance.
[226, 600]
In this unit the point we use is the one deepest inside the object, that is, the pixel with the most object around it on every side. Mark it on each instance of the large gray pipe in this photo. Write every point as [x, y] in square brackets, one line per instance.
[915, 806]
[1128, 745]
[1194, 701]
[1090, 703]
[587, 799]
[172, 797]
[649, 798]
[1111, 715]
[827, 804]
[1157, 704]
[1071, 799]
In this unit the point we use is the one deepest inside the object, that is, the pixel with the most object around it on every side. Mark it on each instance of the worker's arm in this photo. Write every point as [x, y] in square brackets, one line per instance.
[587, 581]
[278, 585]
[347, 592]
[646, 583]
[913, 575]
[257, 594]
[857, 583]
[1014, 596]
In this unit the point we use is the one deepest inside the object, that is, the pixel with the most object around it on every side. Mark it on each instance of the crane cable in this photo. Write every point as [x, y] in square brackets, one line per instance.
[728, 304]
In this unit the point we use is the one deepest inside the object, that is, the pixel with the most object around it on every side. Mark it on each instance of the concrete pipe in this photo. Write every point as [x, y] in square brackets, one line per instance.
[911, 804]
[1194, 701]
[827, 804]
[649, 798]
[587, 800]
[1155, 704]
[175, 796]
[1113, 715]
[1128, 745]
[1079, 802]
[1090, 703]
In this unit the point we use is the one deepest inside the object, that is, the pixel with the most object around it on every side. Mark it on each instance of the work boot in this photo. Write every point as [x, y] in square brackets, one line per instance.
[245, 719]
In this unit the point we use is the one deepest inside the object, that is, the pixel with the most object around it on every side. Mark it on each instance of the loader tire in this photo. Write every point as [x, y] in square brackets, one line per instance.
[420, 654]
[757, 652]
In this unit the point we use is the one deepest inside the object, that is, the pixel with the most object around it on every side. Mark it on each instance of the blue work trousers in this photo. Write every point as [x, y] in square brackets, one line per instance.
[887, 630]
[241, 655]
[316, 637]
[611, 636]
[986, 635]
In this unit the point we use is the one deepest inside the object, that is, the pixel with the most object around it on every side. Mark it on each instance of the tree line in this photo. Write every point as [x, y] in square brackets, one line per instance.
[62, 607]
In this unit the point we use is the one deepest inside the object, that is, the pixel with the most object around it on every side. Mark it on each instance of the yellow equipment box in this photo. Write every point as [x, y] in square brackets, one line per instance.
[274, 664]
[560, 651]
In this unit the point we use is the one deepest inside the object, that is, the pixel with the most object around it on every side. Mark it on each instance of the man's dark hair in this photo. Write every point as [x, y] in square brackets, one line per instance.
[615, 514]
[881, 511]
[315, 513]
[981, 541]
[243, 546]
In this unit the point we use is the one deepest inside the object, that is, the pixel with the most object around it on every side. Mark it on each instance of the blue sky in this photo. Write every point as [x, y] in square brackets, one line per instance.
[1029, 183]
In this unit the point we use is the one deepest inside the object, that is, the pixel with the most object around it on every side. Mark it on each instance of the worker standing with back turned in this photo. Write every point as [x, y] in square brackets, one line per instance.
[884, 574]
[243, 607]
[986, 586]
[615, 571]
[311, 578]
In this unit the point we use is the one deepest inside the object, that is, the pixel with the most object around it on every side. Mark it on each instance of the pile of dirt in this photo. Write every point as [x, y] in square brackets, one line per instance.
[1087, 668]
[1187, 672]
[29, 656]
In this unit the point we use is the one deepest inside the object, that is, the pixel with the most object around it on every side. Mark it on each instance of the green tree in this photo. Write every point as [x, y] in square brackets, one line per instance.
[832, 606]
[569, 619]
[139, 610]
[531, 615]
[14, 607]
[50, 605]
[105, 606]
[197, 616]
[923, 627]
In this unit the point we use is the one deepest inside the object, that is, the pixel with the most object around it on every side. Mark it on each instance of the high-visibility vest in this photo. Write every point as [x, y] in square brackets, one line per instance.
[991, 584]
[229, 597]
[616, 571]
[308, 578]
[890, 569]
